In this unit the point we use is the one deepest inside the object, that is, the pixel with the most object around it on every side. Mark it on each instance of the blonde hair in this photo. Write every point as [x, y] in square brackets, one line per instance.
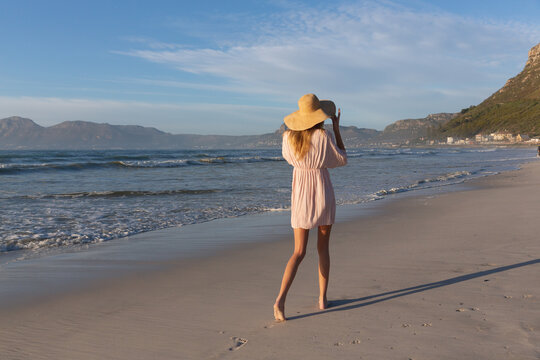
[300, 141]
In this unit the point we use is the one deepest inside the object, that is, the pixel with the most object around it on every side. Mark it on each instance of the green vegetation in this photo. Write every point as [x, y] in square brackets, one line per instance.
[463, 111]
[514, 108]
[521, 116]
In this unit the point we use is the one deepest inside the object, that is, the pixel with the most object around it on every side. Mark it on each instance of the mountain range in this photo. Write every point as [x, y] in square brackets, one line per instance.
[21, 133]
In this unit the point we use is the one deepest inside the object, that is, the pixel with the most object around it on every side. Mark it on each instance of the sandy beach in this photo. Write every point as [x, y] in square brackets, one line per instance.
[447, 276]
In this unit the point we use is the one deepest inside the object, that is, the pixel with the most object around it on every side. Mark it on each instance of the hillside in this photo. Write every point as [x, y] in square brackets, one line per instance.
[412, 129]
[20, 133]
[514, 108]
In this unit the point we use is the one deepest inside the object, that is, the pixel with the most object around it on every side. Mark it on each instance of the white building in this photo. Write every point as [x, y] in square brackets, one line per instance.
[502, 136]
[479, 138]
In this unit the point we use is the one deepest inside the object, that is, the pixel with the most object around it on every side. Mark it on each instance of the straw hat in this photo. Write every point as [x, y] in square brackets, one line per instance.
[311, 112]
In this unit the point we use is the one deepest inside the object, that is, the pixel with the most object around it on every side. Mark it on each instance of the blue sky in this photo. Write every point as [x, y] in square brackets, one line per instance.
[238, 67]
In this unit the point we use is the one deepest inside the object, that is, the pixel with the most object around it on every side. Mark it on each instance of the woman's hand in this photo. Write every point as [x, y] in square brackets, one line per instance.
[337, 133]
[335, 119]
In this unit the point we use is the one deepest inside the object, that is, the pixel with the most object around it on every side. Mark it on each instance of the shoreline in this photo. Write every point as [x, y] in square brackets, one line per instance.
[62, 271]
[104, 207]
[406, 189]
[449, 275]
[40, 234]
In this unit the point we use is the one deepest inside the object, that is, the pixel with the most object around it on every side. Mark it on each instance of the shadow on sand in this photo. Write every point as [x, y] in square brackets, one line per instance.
[338, 305]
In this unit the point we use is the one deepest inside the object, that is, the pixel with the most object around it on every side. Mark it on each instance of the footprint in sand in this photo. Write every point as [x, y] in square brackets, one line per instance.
[237, 343]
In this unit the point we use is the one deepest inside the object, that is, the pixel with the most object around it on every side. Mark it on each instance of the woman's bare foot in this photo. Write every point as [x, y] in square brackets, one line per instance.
[323, 303]
[279, 312]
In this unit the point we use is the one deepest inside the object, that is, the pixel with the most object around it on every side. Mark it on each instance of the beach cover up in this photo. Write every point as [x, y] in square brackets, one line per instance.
[312, 197]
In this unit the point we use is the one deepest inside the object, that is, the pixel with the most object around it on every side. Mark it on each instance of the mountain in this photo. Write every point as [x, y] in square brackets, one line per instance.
[20, 133]
[16, 129]
[354, 137]
[514, 108]
[412, 129]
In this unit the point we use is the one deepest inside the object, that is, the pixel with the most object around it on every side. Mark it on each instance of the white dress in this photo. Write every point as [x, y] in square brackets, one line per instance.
[312, 197]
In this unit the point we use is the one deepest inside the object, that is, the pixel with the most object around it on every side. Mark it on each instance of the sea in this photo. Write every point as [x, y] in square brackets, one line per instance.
[65, 199]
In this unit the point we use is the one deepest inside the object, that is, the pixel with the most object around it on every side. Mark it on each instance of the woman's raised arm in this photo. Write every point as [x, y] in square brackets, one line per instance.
[335, 126]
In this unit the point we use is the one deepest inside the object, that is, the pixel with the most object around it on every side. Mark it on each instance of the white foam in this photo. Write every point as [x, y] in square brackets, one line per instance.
[418, 184]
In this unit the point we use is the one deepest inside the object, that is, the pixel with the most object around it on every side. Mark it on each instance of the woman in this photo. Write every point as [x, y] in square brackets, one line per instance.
[311, 150]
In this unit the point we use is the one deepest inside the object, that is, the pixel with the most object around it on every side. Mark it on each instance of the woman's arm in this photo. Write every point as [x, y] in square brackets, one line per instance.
[335, 153]
[286, 148]
[335, 125]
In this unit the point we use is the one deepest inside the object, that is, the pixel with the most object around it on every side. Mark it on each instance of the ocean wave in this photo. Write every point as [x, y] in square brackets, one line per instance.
[389, 153]
[419, 184]
[503, 159]
[73, 208]
[205, 160]
[480, 150]
[278, 209]
[18, 168]
[170, 163]
[122, 193]
[44, 235]
[8, 168]
[58, 239]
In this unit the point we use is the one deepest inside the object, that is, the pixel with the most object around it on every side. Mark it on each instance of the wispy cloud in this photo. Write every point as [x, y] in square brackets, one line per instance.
[152, 43]
[213, 87]
[380, 61]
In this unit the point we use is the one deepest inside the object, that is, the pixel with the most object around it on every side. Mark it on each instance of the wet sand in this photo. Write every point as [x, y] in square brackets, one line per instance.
[449, 276]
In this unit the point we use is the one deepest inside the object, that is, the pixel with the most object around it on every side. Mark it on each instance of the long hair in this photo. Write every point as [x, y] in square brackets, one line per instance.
[301, 140]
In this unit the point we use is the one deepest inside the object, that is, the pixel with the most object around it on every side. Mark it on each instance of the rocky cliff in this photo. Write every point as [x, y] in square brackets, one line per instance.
[412, 129]
[514, 108]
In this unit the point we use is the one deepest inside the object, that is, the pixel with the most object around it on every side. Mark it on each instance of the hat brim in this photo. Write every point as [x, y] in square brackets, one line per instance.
[304, 120]
[328, 107]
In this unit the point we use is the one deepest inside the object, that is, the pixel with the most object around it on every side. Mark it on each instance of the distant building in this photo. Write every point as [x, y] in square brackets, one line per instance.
[449, 140]
[498, 136]
[522, 137]
[502, 136]
[479, 138]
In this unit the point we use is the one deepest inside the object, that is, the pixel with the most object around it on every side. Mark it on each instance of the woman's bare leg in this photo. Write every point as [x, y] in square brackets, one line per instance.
[324, 263]
[300, 243]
